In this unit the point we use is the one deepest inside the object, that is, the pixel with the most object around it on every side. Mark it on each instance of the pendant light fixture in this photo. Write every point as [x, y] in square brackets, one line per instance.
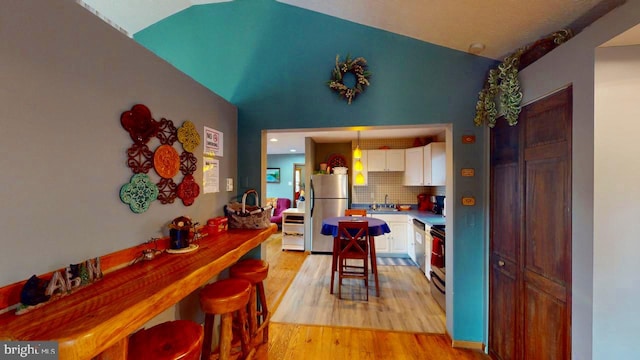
[357, 153]
[358, 165]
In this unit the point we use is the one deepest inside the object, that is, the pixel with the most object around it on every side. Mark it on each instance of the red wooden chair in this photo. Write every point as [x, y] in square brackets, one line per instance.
[356, 212]
[352, 247]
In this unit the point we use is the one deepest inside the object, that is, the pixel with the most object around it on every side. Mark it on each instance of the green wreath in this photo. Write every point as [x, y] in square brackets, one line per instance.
[357, 67]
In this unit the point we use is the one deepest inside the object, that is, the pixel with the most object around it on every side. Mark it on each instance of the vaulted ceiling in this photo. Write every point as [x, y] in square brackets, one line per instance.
[489, 28]
[498, 26]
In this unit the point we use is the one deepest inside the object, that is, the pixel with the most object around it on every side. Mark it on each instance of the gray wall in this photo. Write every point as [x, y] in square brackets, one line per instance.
[573, 63]
[65, 78]
[616, 197]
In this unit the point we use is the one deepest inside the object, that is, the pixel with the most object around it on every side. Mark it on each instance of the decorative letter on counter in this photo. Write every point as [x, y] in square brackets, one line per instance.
[36, 292]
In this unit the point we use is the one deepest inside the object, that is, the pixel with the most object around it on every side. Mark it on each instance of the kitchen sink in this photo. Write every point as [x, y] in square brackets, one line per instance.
[382, 210]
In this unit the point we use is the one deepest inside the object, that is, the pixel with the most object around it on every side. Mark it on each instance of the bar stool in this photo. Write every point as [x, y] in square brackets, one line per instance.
[172, 340]
[255, 271]
[224, 298]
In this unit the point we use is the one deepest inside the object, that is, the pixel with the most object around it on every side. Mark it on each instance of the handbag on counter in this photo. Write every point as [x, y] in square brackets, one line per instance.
[243, 216]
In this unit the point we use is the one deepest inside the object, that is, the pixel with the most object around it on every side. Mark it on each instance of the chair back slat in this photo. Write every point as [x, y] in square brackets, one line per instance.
[357, 212]
[350, 247]
[354, 235]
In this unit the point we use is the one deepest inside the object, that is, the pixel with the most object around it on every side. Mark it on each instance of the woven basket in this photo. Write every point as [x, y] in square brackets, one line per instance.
[243, 216]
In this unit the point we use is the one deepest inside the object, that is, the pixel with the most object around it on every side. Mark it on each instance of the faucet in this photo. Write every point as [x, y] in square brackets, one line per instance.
[386, 196]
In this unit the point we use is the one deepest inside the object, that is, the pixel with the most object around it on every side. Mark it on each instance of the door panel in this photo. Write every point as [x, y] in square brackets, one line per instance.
[549, 120]
[504, 242]
[546, 262]
[546, 337]
[504, 292]
[530, 244]
[545, 209]
[505, 228]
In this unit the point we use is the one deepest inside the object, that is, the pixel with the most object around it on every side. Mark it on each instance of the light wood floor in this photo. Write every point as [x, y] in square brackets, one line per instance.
[403, 290]
[292, 341]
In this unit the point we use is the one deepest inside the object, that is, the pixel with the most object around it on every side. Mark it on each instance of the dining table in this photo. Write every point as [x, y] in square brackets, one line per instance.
[376, 227]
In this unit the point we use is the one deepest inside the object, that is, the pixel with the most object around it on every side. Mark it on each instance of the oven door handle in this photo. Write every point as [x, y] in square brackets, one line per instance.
[437, 282]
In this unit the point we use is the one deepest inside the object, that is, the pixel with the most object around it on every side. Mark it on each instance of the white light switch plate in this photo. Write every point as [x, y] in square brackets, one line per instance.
[229, 184]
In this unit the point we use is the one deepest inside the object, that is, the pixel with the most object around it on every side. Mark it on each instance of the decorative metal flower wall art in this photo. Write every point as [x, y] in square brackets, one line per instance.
[139, 123]
[188, 135]
[140, 192]
[166, 161]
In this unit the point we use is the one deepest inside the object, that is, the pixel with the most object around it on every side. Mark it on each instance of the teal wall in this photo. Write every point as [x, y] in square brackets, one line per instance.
[273, 61]
[285, 163]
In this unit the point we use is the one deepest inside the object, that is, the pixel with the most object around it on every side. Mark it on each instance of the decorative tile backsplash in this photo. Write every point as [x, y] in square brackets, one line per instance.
[390, 183]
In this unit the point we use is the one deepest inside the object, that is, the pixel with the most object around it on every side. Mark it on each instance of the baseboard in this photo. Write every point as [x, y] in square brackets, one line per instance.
[470, 345]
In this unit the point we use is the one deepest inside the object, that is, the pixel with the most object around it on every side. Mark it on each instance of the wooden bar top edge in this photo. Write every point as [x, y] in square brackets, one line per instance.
[10, 294]
[100, 315]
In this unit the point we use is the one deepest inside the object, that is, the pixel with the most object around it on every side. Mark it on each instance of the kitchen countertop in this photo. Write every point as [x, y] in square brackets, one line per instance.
[425, 216]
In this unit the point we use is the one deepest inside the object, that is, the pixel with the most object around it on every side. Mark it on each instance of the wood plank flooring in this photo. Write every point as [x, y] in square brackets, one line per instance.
[404, 304]
[293, 341]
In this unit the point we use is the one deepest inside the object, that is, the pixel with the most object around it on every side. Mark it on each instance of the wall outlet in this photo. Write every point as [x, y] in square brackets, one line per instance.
[373, 196]
[229, 184]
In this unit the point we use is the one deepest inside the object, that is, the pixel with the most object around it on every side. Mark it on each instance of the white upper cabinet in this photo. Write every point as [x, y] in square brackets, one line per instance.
[413, 173]
[385, 160]
[434, 164]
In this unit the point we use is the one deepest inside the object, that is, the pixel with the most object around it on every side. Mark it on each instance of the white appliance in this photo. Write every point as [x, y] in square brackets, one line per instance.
[329, 198]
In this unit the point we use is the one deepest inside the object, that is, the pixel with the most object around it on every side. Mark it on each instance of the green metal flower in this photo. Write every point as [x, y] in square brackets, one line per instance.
[138, 193]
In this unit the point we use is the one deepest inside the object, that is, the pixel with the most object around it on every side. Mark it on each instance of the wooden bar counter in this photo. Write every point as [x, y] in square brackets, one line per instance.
[96, 320]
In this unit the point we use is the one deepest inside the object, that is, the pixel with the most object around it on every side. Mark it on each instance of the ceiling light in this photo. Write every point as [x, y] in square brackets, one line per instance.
[476, 48]
[273, 139]
[292, 150]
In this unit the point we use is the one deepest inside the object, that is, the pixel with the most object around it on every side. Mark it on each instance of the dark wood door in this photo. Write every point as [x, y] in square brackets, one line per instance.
[530, 244]
[504, 245]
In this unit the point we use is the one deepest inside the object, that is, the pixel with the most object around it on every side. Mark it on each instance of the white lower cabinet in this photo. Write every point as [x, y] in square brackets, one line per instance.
[293, 229]
[394, 242]
[382, 244]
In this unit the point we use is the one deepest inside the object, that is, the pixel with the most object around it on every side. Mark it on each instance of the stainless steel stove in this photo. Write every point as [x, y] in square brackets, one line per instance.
[438, 268]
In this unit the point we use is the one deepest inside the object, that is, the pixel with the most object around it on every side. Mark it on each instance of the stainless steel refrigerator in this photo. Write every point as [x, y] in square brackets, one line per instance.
[329, 198]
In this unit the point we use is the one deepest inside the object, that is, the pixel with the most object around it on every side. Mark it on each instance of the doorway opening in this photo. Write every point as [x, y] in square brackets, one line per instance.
[298, 183]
